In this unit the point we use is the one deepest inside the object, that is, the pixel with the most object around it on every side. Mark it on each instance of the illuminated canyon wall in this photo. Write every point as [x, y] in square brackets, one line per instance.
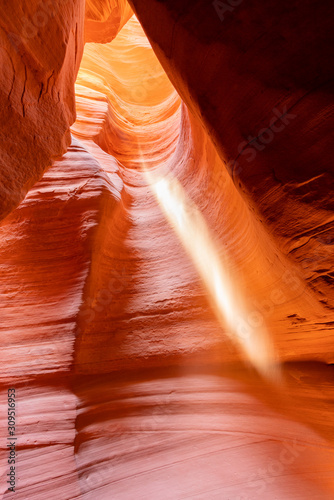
[166, 283]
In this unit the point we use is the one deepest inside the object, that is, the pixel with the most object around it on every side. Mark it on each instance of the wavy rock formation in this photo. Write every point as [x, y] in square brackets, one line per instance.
[166, 294]
[263, 93]
[103, 20]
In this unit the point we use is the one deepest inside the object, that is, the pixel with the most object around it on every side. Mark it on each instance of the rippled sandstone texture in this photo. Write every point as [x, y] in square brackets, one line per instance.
[239, 68]
[103, 20]
[128, 384]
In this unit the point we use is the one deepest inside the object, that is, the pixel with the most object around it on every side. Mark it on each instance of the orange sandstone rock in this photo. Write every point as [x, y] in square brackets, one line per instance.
[104, 19]
[40, 53]
[129, 385]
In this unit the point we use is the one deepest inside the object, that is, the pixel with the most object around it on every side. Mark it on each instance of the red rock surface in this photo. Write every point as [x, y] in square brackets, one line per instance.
[129, 382]
[40, 52]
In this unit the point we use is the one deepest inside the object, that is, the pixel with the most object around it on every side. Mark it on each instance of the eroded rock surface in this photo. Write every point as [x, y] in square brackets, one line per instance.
[41, 46]
[128, 383]
[103, 20]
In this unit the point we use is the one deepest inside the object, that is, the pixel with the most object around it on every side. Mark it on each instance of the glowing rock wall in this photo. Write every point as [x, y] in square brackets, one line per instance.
[37, 93]
[129, 382]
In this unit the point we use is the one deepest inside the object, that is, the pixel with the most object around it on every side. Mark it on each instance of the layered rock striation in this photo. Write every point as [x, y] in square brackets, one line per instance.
[130, 381]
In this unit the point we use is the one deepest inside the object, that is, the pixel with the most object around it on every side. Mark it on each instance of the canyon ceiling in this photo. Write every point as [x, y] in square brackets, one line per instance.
[166, 248]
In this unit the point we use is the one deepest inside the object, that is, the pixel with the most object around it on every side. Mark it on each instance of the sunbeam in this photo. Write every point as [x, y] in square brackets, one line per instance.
[213, 267]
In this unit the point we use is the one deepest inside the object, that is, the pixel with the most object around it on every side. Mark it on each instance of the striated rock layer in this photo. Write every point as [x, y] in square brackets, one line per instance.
[103, 20]
[128, 382]
[120, 114]
[257, 77]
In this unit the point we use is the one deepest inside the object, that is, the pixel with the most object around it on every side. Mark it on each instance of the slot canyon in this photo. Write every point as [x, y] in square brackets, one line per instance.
[166, 250]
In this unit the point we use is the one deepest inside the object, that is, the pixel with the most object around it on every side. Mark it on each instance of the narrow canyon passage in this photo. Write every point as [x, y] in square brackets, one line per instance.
[140, 373]
[167, 432]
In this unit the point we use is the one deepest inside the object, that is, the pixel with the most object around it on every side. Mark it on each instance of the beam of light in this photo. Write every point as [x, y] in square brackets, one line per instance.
[213, 268]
